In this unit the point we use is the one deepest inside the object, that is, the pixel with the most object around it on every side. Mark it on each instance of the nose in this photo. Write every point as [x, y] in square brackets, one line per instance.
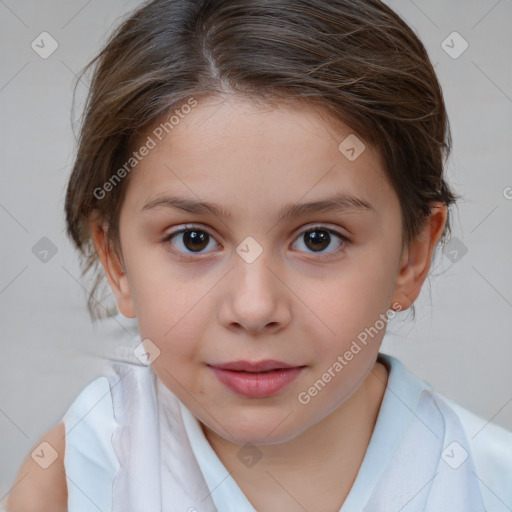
[255, 299]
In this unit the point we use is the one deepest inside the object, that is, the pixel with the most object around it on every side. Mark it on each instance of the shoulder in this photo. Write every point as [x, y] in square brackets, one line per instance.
[40, 484]
[491, 451]
[41, 481]
[491, 444]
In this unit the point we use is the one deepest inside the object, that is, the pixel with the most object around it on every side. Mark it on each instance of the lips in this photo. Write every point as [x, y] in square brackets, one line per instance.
[256, 366]
[258, 379]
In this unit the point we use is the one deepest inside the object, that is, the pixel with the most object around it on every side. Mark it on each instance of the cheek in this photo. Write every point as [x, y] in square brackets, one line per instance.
[353, 310]
[160, 283]
[355, 297]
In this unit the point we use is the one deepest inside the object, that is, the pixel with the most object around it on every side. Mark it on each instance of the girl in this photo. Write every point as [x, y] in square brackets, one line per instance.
[262, 182]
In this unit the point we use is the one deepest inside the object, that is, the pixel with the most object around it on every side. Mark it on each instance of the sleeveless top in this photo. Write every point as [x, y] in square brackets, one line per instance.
[133, 446]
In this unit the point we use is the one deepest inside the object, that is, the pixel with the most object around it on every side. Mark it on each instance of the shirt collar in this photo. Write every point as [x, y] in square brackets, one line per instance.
[398, 407]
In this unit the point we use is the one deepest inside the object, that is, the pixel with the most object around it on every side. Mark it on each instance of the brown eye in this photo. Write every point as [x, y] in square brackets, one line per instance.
[195, 240]
[189, 241]
[319, 238]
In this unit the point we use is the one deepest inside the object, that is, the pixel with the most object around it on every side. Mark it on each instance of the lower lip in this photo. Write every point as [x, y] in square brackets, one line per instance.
[257, 385]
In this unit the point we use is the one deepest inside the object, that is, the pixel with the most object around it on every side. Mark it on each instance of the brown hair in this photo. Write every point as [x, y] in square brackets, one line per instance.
[356, 60]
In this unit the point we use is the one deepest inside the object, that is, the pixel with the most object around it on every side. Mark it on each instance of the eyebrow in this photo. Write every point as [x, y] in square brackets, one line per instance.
[338, 202]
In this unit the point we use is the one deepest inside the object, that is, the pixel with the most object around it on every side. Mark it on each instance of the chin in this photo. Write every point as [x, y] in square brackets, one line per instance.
[273, 429]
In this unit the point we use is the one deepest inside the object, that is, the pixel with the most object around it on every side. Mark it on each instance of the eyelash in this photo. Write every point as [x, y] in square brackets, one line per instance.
[191, 227]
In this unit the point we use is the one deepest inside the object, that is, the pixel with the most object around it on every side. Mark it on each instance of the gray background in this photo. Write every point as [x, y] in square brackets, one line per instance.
[461, 340]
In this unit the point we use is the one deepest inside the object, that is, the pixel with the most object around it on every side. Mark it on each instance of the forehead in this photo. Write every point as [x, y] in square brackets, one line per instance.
[244, 156]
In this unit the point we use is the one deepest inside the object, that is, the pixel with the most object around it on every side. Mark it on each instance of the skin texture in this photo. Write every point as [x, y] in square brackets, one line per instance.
[41, 490]
[292, 303]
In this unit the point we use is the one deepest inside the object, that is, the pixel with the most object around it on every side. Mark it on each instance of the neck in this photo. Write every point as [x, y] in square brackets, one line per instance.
[316, 468]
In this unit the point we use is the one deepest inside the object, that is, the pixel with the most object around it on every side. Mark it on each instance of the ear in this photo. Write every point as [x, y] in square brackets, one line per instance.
[417, 258]
[114, 268]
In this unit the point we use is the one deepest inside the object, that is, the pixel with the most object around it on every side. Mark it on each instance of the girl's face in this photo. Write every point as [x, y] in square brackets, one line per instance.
[263, 276]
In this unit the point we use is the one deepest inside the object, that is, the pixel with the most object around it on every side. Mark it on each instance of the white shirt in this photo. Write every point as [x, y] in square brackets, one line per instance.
[131, 445]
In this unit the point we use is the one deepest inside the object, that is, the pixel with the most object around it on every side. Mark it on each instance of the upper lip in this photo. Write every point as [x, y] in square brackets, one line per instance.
[253, 366]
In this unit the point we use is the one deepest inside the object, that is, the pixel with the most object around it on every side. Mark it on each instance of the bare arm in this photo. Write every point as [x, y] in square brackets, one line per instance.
[37, 487]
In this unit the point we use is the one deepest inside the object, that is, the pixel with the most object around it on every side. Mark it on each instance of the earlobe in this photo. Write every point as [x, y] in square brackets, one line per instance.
[114, 268]
[417, 257]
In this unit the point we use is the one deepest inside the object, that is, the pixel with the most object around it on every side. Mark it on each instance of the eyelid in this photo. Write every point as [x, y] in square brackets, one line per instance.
[166, 241]
[186, 227]
[322, 225]
[345, 240]
[304, 229]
